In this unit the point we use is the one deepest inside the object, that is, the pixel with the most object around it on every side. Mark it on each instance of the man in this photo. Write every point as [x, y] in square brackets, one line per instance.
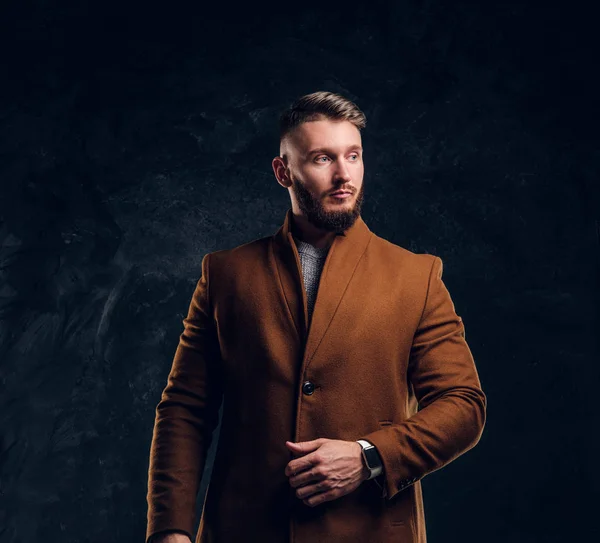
[342, 364]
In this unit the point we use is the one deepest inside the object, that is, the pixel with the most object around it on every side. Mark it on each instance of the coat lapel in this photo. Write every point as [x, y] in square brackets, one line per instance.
[340, 265]
[290, 276]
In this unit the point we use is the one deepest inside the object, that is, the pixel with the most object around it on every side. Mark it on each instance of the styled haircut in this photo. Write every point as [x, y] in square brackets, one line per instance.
[318, 106]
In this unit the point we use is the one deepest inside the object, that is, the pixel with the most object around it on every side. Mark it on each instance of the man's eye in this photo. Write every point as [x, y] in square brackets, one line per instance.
[322, 157]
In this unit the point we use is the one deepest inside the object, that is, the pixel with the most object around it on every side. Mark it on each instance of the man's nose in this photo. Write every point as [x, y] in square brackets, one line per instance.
[342, 173]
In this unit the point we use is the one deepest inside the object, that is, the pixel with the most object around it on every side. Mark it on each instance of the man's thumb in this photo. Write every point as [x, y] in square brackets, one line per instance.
[304, 446]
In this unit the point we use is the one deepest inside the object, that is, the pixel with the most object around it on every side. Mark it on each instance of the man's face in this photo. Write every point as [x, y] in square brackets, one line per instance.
[325, 157]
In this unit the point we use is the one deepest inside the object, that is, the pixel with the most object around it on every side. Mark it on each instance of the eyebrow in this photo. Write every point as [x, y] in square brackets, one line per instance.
[355, 147]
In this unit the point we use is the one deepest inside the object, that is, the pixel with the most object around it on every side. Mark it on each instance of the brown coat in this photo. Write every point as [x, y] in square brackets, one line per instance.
[386, 353]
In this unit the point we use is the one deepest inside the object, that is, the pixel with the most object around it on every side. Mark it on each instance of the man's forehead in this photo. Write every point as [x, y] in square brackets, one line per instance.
[333, 136]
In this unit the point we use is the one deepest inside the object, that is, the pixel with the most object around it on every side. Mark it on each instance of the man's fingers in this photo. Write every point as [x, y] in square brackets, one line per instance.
[304, 492]
[320, 497]
[299, 465]
[306, 477]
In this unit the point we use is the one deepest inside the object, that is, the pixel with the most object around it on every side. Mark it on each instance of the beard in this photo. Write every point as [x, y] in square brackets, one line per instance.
[317, 215]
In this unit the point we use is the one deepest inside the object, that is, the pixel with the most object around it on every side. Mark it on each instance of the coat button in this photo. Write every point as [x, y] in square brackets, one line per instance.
[308, 387]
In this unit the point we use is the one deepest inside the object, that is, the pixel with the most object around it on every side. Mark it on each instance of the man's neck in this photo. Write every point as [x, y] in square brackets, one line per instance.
[309, 233]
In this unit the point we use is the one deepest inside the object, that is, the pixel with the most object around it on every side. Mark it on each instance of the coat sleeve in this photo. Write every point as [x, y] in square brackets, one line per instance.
[186, 417]
[452, 405]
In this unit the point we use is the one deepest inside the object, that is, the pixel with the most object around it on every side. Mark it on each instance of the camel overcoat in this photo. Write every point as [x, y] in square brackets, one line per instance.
[387, 360]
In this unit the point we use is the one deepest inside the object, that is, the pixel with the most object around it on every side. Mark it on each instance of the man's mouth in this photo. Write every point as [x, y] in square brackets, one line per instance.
[341, 194]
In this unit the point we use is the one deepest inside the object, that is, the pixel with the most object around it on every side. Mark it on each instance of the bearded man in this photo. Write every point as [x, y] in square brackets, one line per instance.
[340, 360]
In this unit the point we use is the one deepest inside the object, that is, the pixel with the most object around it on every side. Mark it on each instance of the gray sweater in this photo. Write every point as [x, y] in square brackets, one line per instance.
[312, 260]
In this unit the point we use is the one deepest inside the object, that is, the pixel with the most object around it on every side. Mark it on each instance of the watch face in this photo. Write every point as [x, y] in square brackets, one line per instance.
[371, 457]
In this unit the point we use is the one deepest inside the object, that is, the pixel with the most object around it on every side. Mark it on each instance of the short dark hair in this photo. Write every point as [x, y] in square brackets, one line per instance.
[320, 105]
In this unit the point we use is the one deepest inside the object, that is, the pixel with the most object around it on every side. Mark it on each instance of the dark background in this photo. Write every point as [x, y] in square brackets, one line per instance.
[136, 137]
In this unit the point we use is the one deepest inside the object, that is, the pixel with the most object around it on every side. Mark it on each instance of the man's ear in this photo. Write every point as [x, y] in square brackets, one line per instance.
[280, 169]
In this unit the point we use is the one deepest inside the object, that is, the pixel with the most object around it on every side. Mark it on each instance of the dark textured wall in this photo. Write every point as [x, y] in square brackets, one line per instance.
[136, 137]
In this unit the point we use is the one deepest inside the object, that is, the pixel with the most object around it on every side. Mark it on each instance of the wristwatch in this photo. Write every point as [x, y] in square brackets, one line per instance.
[371, 458]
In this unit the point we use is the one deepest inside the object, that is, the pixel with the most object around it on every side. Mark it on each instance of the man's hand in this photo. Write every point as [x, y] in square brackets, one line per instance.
[326, 470]
[170, 537]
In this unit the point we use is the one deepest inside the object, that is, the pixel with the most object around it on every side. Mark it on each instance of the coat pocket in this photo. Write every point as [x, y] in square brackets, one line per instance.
[399, 508]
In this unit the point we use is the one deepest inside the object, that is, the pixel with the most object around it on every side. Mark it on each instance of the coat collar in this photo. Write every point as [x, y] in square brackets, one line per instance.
[340, 264]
